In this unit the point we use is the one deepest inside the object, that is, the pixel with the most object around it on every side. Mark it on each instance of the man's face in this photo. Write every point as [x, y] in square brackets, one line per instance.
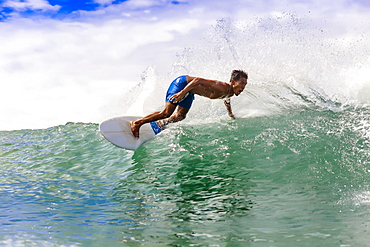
[239, 86]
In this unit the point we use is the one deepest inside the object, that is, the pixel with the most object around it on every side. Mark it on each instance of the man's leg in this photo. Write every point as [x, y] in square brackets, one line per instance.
[165, 113]
[178, 116]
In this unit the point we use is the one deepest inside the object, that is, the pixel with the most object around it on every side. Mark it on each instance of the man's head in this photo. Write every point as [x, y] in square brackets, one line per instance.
[238, 81]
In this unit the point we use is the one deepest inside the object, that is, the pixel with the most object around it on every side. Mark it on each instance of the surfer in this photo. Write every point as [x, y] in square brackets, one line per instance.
[180, 95]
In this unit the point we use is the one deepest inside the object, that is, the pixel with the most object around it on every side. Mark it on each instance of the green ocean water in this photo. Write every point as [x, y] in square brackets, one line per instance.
[296, 178]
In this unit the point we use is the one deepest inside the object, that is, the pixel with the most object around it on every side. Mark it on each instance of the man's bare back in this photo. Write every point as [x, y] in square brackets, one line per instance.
[211, 88]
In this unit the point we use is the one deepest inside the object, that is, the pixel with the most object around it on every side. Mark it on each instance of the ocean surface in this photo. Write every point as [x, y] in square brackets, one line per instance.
[298, 178]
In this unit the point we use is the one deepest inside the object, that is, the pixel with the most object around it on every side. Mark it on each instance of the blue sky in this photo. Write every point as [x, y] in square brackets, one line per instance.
[60, 9]
[51, 7]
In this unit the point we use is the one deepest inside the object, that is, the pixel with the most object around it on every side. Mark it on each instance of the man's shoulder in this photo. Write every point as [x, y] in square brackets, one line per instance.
[213, 81]
[209, 82]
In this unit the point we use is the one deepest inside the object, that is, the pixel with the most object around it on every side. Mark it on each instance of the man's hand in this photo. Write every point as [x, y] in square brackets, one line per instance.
[177, 97]
[232, 116]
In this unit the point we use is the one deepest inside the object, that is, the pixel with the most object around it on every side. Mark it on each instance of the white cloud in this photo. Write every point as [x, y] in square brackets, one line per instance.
[53, 72]
[135, 4]
[20, 5]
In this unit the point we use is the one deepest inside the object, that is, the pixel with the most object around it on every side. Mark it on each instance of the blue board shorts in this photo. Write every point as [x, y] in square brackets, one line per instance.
[176, 86]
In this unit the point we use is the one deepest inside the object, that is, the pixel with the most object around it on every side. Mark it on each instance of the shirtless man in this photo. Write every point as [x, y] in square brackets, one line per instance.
[180, 95]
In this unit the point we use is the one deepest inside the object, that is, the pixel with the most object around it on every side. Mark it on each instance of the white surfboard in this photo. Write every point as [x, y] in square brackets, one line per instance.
[118, 131]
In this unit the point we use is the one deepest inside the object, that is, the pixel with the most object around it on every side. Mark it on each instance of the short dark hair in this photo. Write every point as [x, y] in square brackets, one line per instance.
[238, 74]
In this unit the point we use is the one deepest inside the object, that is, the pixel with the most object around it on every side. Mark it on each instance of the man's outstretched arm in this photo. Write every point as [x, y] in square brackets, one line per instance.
[228, 108]
[193, 83]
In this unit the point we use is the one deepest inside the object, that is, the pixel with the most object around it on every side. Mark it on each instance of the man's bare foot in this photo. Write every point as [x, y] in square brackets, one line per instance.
[135, 128]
